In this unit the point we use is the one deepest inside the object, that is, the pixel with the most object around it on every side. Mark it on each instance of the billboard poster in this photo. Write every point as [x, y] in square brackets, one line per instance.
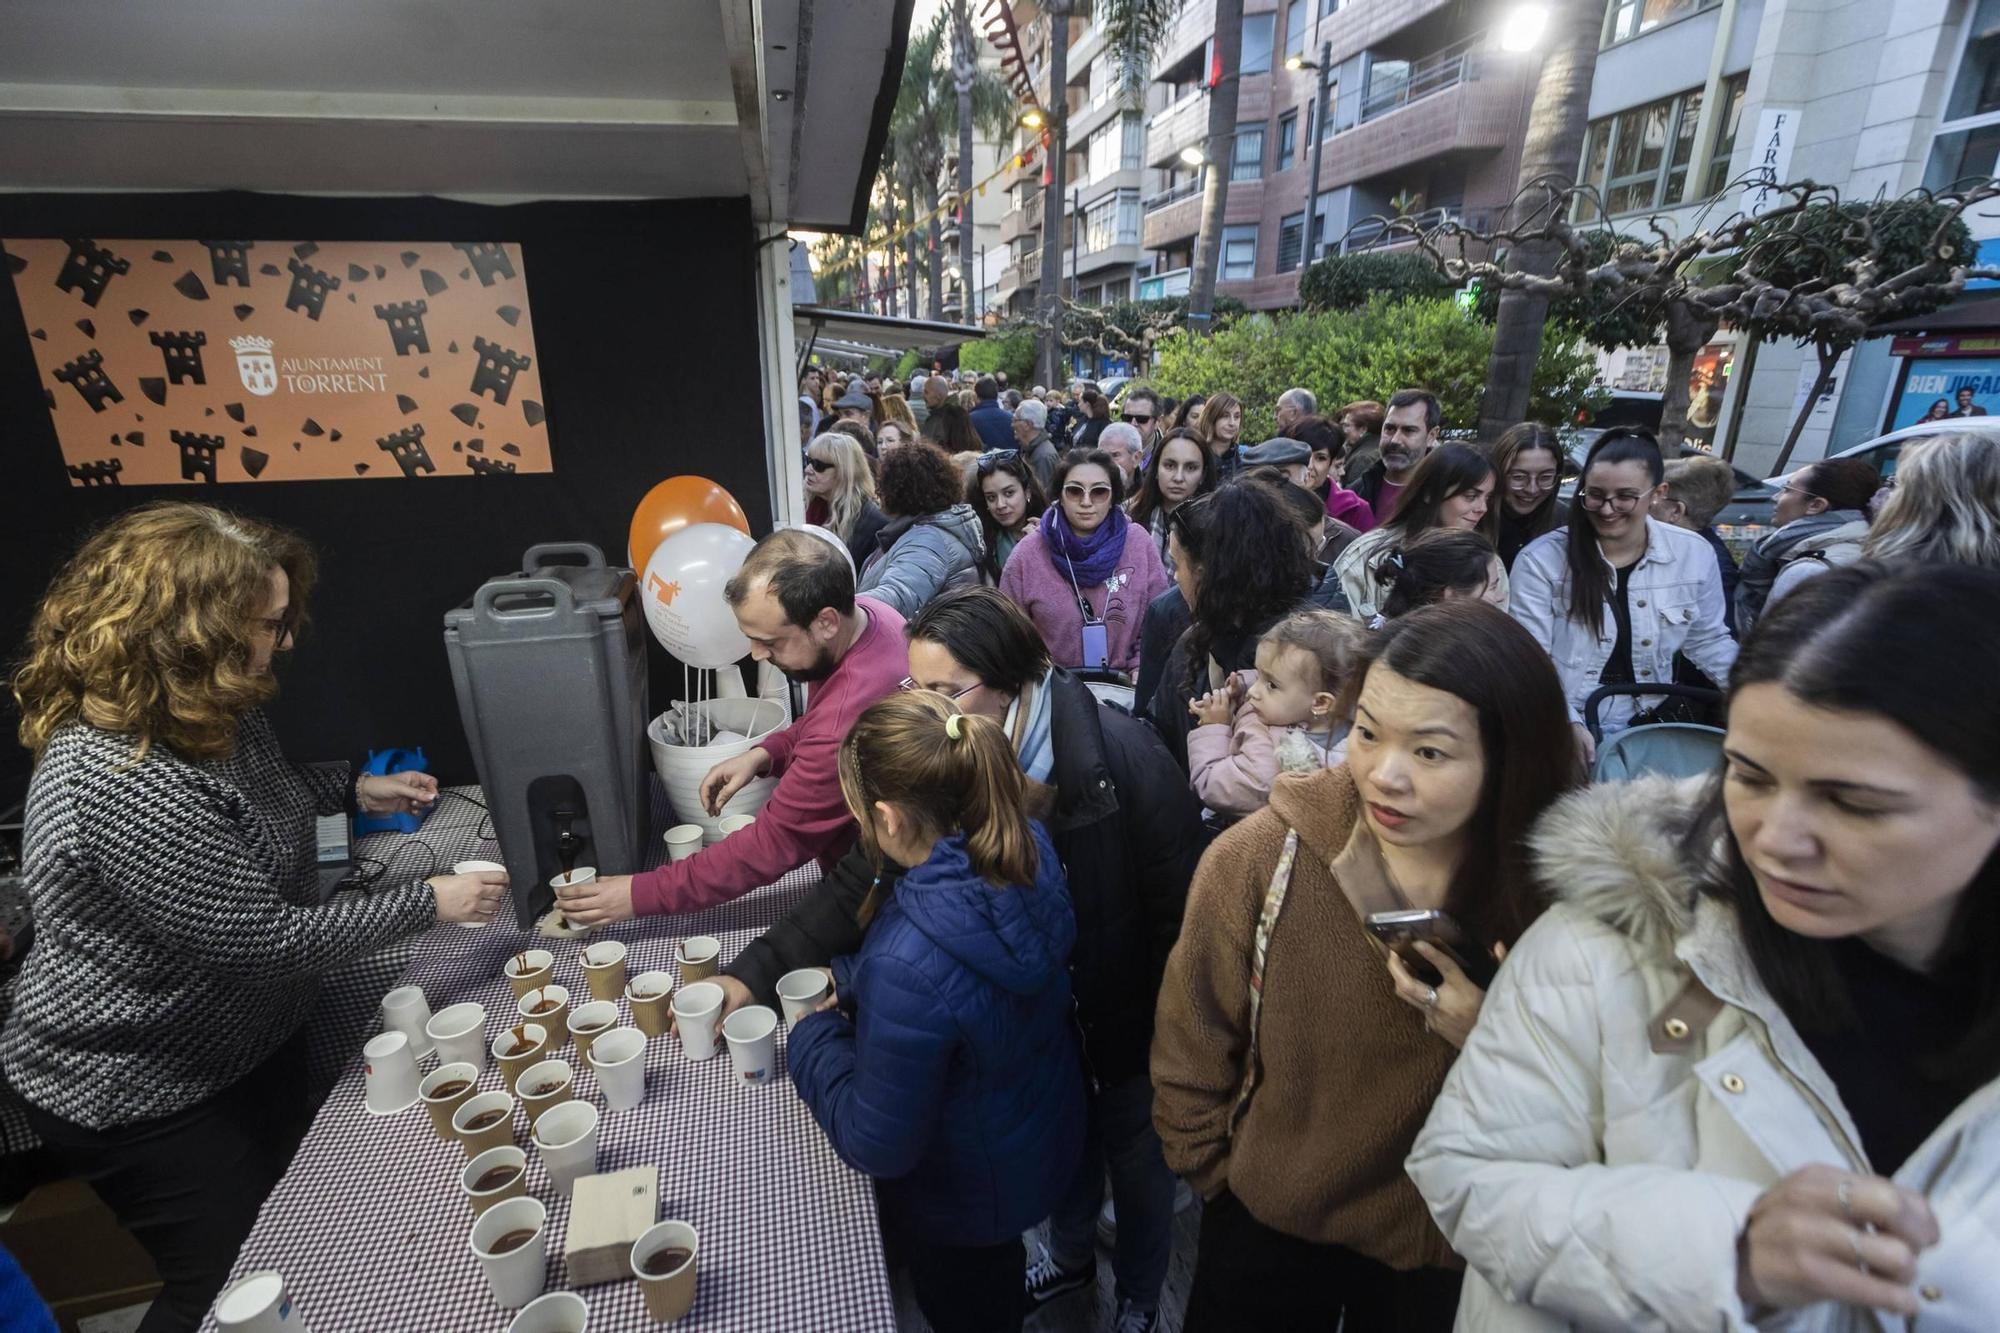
[177, 362]
[1940, 387]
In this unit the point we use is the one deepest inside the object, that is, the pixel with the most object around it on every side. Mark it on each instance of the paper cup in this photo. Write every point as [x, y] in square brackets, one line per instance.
[683, 841]
[515, 1275]
[392, 1073]
[259, 1303]
[498, 1134]
[442, 1104]
[752, 1034]
[729, 824]
[460, 1035]
[698, 1010]
[590, 1021]
[651, 994]
[555, 1017]
[529, 970]
[553, 1075]
[604, 969]
[575, 879]
[669, 1295]
[557, 1312]
[800, 992]
[494, 1160]
[475, 868]
[618, 1058]
[699, 956]
[567, 1139]
[405, 1010]
[518, 1047]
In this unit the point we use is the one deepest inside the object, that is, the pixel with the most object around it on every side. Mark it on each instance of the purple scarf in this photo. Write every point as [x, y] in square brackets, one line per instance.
[1090, 560]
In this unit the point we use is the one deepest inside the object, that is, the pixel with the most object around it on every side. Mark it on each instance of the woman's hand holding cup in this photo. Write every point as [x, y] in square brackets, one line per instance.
[734, 996]
[472, 899]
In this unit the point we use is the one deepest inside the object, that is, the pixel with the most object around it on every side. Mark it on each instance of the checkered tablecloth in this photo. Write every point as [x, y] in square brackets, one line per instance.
[371, 1233]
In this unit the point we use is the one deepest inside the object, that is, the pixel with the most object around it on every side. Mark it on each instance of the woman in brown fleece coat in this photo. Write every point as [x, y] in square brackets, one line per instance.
[1460, 741]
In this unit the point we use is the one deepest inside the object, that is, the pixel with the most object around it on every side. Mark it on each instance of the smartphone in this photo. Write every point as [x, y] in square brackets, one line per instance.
[1400, 931]
[1096, 646]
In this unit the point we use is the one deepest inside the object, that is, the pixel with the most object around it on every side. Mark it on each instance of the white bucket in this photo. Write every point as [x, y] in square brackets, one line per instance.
[682, 767]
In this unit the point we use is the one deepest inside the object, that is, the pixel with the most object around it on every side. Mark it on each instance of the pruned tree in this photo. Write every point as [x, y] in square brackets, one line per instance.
[1807, 267]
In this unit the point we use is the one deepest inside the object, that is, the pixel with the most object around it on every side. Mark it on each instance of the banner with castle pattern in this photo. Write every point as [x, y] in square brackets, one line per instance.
[175, 362]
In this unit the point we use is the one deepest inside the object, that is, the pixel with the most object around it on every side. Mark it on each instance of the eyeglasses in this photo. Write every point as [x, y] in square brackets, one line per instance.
[1136, 419]
[910, 683]
[1797, 490]
[1622, 503]
[1530, 481]
[817, 464]
[280, 627]
[1077, 493]
[993, 458]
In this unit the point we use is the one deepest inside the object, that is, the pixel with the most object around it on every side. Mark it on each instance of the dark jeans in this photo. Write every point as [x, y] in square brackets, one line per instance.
[1248, 1276]
[1120, 1139]
[189, 1186]
[967, 1288]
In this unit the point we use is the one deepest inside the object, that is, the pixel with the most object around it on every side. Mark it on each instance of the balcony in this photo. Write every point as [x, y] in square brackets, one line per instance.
[1117, 255]
[1176, 127]
[1369, 234]
[1451, 117]
[1190, 34]
[1173, 216]
[1014, 225]
[1010, 282]
[1461, 62]
[1031, 268]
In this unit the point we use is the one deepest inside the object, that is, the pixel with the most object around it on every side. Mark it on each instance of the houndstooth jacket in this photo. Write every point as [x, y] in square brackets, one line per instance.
[178, 930]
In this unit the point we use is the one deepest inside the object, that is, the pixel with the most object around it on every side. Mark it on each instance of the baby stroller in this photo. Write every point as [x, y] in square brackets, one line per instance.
[1671, 749]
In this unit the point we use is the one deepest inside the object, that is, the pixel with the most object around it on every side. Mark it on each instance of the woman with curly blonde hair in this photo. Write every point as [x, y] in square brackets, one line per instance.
[169, 855]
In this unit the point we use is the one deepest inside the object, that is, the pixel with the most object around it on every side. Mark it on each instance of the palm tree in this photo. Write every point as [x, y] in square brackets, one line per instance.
[914, 129]
[1223, 86]
[985, 102]
[1554, 147]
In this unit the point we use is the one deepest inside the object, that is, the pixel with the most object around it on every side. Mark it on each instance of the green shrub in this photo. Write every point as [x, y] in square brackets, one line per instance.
[1346, 282]
[1010, 348]
[1370, 352]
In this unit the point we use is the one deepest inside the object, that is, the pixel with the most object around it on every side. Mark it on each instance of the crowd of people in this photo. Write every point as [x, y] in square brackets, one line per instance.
[1208, 814]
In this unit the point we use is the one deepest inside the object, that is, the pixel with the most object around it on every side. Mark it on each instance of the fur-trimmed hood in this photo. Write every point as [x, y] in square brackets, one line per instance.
[1619, 852]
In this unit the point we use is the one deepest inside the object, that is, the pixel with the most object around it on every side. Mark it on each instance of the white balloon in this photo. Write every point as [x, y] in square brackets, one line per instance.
[682, 594]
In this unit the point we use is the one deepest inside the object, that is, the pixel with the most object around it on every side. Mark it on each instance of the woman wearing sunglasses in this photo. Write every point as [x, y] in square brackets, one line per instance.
[841, 485]
[1004, 493]
[1086, 573]
[1614, 593]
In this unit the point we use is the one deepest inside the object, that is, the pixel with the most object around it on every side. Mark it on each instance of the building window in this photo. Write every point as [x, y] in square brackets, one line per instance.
[1112, 220]
[1117, 146]
[1725, 134]
[1246, 157]
[1117, 290]
[1638, 159]
[1239, 252]
[1328, 6]
[1291, 241]
[1288, 141]
[1629, 18]
[1968, 137]
[1259, 30]
[1295, 28]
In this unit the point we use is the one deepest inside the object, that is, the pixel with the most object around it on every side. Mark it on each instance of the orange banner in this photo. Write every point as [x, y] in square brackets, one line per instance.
[196, 362]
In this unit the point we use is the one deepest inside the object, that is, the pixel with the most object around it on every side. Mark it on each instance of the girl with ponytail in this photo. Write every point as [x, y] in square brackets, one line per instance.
[947, 1067]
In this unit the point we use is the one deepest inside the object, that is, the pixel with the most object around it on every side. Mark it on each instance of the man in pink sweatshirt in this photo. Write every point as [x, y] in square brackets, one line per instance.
[794, 600]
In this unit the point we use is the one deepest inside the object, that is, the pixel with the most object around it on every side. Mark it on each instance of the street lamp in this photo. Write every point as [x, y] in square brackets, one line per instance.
[1033, 118]
[1523, 27]
[1323, 67]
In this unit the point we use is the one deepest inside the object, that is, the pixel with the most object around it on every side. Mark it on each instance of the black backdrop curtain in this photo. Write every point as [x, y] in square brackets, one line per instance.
[645, 321]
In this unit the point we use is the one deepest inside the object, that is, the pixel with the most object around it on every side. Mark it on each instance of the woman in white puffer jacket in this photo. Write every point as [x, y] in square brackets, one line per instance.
[1746, 1072]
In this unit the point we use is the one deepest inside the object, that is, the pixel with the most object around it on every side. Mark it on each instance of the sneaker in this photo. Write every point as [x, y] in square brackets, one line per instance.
[1107, 1224]
[1047, 1279]
[1131, 1319]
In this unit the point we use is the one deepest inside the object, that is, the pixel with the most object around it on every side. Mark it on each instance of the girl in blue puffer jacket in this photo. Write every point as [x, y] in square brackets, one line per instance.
[958, 1084]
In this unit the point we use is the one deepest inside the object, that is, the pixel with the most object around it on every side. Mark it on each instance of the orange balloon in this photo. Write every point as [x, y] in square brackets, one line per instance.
[676, 503]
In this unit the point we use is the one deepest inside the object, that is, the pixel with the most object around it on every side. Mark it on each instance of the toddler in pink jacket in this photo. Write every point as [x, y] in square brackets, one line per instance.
[1279, 718]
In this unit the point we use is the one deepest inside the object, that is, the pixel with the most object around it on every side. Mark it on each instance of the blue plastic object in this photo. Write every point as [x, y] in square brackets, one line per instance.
[382, 763]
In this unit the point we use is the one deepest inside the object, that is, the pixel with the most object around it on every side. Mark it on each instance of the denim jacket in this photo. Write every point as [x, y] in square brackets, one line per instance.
[1675, 598]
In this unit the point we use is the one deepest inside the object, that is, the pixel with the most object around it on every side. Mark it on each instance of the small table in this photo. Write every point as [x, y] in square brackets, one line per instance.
[370, 1230]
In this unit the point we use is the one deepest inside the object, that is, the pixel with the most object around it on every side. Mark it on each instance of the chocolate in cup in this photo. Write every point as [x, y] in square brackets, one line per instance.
[604, 969]
[542, 1086]
[486, 1181]
[518, 1047]
[651, 995]
[529, 970]
[669, 1294]
[443, 1091]
[491, 1132]
[699, 956]
[548, 1006]
[589, 1021]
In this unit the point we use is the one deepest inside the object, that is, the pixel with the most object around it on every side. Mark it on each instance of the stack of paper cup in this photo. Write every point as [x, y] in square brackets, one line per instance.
[800, 992]
[698, 1009]
[752, 1033]
[460, 1034]
[405, 1010]
[392, 1073]
[259, 1303]
[619, 1060]
[514, 1266]
[567, 1138]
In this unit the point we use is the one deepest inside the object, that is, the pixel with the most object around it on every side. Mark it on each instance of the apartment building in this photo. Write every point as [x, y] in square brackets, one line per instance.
[1867, 96]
